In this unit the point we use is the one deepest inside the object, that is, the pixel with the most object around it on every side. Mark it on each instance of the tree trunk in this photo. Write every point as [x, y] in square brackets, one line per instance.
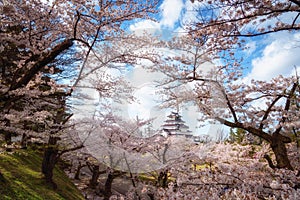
[280, 151]
[94, 180]
[24, 141]
[2, 179]
[49, 160]
[108, 185]
[77, 173]
[7, 137]
[7, 134]
[162, 180]
[276, 140]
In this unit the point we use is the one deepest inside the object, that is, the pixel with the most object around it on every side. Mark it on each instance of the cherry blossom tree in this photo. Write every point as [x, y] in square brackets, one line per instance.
[116, 144]
[33, 34]
[264, 109]
[207, 61]
[225, 26]
[223, 22]
[240, 173]
[267, 109]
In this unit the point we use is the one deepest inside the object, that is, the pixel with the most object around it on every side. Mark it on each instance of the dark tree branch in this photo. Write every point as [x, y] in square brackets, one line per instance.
[286, 108]
[222, 90]
[71, 149]
[252, 130]
[264, 33]
[268, 111]
[295, 2]
[295, 20]
[250, 16]
[90, 47]
[42, 62]
[270, 162]
[268, 12]
[76, 23]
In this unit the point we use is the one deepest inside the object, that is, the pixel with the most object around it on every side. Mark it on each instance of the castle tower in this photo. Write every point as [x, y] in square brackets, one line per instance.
[174, 125]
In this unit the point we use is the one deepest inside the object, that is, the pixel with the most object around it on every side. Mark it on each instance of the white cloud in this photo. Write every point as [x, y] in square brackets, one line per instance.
[190, 12]
[146, 104]
[171, 13]
[278, 58]
[145, 24]
[146, 97]
[171, 10]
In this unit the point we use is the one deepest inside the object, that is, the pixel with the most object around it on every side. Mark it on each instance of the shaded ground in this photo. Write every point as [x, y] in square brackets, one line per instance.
[21, 178]
[120, 185]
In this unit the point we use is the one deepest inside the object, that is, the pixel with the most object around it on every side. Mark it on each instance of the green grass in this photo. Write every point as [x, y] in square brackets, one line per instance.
[22, 179]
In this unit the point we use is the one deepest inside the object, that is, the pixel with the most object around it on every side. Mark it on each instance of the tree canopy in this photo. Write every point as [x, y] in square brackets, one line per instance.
[41, 42]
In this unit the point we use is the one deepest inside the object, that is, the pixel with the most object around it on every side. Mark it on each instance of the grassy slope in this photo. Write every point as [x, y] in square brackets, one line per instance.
[23, 179]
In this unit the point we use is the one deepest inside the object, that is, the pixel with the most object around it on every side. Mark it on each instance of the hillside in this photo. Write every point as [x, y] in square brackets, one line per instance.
[21, 178]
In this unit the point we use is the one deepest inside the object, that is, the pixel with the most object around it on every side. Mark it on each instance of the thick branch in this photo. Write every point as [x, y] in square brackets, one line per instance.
[252, 130]
[42, 62]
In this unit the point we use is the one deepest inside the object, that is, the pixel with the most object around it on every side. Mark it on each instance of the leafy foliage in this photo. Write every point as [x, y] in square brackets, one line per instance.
[237, 136]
